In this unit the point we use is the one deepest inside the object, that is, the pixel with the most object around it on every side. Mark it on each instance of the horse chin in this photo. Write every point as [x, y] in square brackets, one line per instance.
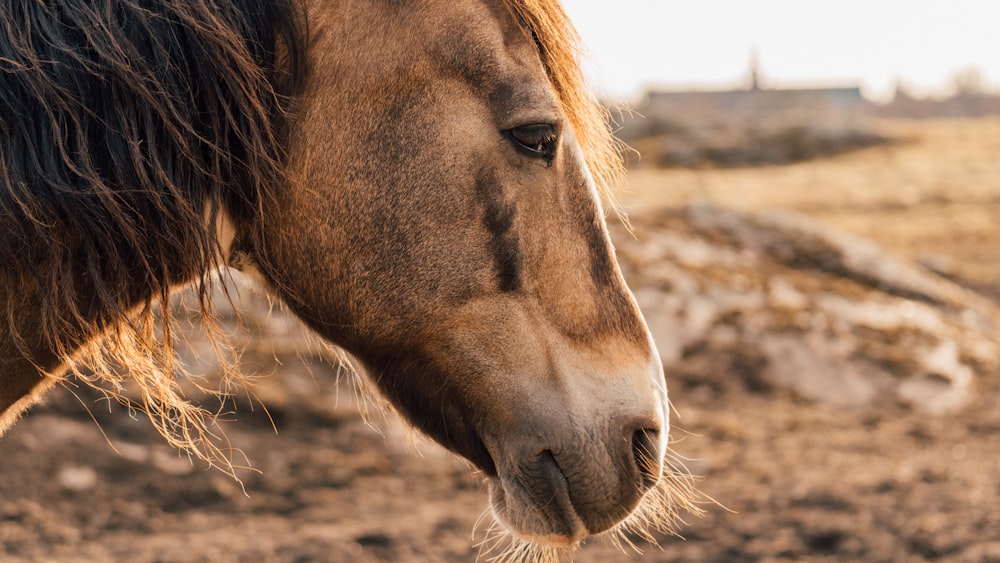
[523, 519]
[521, 533]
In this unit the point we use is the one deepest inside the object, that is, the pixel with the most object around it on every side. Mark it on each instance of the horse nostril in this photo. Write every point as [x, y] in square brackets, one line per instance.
[646, 451]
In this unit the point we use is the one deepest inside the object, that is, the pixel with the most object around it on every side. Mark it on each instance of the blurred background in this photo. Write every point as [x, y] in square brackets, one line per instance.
[814, 193]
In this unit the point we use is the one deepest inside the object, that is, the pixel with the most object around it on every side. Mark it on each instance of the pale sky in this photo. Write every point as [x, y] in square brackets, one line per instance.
[633, 44]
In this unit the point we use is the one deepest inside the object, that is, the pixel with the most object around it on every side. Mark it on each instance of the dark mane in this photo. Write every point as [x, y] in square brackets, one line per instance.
[124, 126]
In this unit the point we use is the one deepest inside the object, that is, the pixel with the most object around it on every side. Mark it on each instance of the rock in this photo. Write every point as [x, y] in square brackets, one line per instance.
[777, 301]
[77, 478]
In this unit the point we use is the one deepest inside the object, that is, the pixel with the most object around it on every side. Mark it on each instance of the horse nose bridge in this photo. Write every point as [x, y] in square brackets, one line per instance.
[615, 380]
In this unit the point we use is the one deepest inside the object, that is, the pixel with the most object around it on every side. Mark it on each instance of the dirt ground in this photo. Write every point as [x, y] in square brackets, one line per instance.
[798, 480]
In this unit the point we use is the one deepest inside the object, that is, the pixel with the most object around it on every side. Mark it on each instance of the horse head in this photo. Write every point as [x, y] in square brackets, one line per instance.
[444, 226]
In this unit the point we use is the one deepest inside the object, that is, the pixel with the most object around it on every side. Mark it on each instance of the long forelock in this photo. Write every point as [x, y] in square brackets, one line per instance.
[560, 48]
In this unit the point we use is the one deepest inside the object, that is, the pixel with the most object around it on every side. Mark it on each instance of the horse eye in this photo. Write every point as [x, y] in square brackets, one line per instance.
[538, 140]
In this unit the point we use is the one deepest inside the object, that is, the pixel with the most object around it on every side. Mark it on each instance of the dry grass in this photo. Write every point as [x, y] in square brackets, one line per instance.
[934, 197]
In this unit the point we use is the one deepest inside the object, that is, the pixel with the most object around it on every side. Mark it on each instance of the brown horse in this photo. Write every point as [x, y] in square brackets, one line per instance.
[419, 181]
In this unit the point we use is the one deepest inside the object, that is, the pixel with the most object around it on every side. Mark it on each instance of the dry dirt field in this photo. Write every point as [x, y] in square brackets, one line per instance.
[800, 480]
[935, 197]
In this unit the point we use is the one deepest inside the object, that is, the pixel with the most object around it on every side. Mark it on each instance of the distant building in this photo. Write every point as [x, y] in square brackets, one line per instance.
[659, 108]
[757, 99]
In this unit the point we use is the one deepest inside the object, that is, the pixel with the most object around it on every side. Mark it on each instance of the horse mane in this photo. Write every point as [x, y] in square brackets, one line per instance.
[560, 47]
[125, 126]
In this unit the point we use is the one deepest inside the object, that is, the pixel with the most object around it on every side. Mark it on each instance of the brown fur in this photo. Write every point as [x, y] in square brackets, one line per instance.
[394, 211]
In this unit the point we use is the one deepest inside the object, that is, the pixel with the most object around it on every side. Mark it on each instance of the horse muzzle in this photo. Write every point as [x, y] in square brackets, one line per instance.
[561, 500]
[570, 433]
[565, 475]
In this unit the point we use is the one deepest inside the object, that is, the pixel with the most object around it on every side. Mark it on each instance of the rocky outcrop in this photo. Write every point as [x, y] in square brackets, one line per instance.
[776, 302]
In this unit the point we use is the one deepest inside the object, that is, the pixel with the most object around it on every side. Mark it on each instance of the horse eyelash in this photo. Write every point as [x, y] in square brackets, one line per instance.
[545, 148]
